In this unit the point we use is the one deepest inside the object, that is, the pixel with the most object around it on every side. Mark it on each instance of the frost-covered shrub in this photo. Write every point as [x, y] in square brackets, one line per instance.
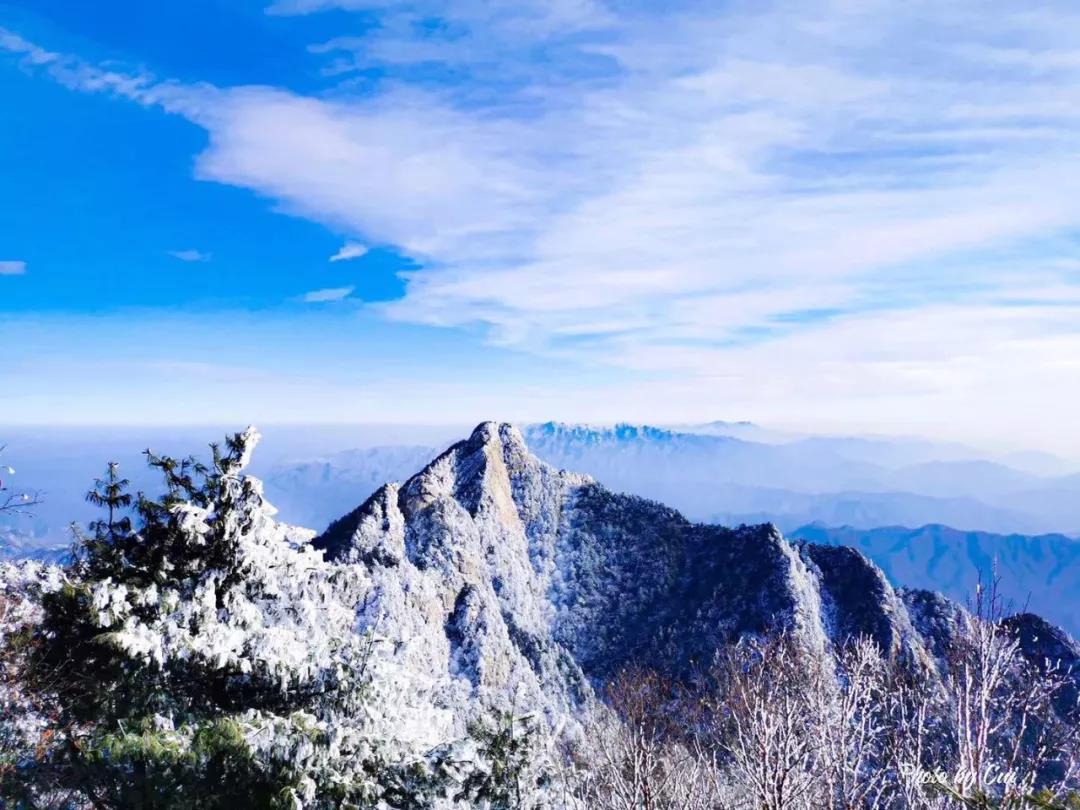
[776, 726]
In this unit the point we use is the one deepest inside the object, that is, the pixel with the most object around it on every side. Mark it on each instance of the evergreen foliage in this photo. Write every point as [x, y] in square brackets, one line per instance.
[199, 653]
[514, 777]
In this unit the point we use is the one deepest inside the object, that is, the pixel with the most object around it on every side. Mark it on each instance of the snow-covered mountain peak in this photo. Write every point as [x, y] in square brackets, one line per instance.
[511, 582]
[621, 434]
[478, 472]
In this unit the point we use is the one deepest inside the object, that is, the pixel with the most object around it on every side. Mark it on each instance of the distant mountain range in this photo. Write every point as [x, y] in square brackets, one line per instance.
[311, 493]
[15, 546]
[721, 472]
[839, 481]
[723, 479]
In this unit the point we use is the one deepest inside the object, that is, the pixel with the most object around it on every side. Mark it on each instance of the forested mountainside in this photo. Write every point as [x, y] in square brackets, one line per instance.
[496, 632]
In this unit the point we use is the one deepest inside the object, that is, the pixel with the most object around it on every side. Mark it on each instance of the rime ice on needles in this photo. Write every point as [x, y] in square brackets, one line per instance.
[210, 597]
[280, 613]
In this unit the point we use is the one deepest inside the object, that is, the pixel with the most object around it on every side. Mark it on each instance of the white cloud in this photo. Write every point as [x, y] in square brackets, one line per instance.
[190, 255]
[34, 55]
[533, 18]
[418, 176]
[769, 194]
[350, 250]
[328, 294]
[12, 268]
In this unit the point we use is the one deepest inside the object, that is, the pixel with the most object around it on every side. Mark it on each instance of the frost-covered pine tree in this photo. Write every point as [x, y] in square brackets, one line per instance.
[202, 654]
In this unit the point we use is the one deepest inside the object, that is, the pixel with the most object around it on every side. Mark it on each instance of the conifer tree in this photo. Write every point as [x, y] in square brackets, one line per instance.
[203, 654]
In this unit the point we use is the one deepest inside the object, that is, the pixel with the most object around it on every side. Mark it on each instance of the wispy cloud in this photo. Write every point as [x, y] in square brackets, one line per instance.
[33, 55]
[12, 268]
[804, 190]
[350, 250]
[190, 255]
[328, 294]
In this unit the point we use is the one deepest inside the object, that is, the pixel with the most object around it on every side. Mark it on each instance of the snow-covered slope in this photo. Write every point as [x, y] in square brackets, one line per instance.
[518, 582]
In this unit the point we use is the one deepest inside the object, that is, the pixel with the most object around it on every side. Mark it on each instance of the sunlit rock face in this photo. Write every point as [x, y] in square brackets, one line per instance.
[517, 584]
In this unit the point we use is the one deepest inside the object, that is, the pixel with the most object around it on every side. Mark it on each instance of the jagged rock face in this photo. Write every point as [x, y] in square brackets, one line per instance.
[1042, 641]
[518, 583]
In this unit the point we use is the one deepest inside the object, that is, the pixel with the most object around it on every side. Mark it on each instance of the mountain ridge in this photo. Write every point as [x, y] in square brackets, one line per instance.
[516, 582]
[1036, 572]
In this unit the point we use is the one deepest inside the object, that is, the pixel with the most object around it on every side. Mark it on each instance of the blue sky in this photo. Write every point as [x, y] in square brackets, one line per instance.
[825, 215]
